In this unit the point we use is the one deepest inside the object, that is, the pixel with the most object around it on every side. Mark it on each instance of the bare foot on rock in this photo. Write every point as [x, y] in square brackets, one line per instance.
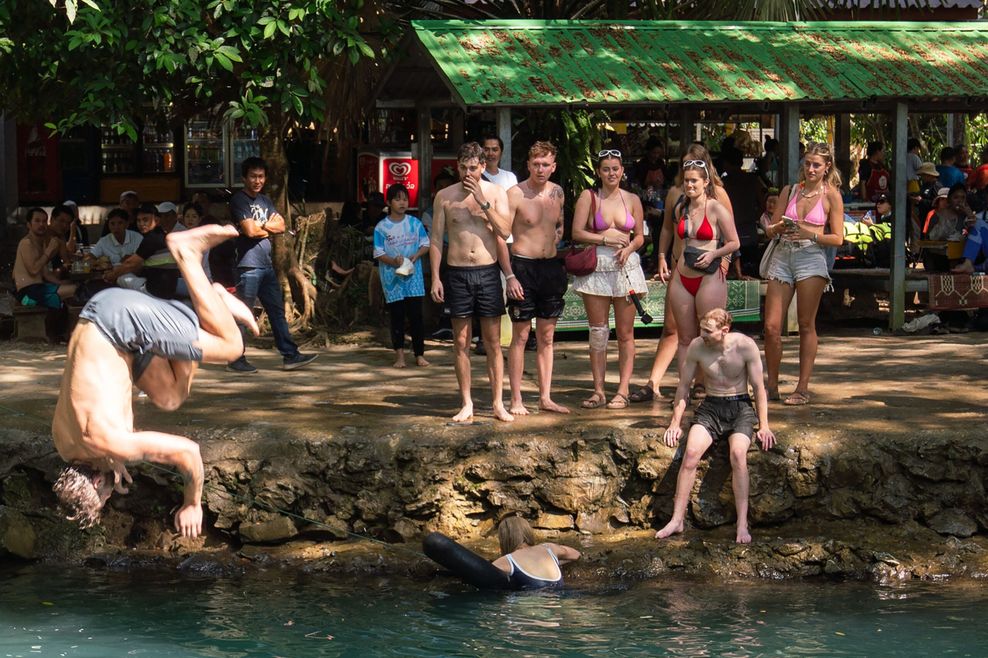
[744, 537]
[421, 362]
[672, 528]
[549, 405]
[518, 409]
[465, 415]
[502, 414]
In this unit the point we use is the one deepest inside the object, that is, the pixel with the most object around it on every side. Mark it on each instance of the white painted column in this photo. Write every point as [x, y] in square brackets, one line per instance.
[504, 132]
[897, 284]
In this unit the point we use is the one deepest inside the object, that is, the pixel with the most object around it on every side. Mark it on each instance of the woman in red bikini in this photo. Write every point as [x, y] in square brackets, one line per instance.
[610, 218]
[812, 218]
[707, 230]
[666, 348]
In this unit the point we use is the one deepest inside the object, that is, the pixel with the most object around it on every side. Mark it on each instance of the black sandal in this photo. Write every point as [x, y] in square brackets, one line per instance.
[643, 394]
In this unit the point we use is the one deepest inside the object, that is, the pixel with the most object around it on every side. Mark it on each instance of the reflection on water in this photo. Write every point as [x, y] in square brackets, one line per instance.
[75, 612]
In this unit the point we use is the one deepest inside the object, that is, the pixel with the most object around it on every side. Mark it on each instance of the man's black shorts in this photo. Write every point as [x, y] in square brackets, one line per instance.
[544, 283]
[724, 416]
[474, 291]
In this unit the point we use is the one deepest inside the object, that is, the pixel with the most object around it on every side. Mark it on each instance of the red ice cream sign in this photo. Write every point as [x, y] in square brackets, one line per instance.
[404, 171]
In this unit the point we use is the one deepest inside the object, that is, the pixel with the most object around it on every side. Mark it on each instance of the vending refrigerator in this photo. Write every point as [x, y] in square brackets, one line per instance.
[378, 170]
[214, 153]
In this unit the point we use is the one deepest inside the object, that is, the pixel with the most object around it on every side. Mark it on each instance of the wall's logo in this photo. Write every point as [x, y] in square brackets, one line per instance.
[399, 169]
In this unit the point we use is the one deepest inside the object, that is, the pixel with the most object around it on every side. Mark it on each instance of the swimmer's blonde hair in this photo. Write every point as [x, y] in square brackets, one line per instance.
[718, 316]
[542, 149]
[514, 531]
[822, 149]
[77, 496]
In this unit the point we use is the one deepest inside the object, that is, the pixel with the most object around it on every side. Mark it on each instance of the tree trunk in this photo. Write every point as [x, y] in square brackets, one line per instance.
[297, 288]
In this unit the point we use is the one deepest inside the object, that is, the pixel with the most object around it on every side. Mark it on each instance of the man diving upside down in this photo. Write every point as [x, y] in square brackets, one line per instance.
[126, 338]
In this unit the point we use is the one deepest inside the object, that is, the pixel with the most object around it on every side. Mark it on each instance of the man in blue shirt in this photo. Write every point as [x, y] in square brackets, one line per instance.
[950, 175]
[258, 219]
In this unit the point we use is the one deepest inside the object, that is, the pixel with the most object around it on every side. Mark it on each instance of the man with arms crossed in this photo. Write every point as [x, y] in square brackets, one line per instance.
[474, 213]
[126, 338]
[536, 277]
[730, 362]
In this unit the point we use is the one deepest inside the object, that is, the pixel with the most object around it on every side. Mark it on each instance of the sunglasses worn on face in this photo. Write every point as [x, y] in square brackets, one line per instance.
[609, 153]
[695, 163]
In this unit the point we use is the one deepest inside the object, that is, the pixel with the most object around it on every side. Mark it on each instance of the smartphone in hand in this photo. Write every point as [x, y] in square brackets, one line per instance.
[789, 222]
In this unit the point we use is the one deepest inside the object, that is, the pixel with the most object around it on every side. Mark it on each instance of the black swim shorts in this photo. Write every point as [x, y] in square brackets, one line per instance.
[474, 291]
[544, 282]
[144, 325]
[724, 416]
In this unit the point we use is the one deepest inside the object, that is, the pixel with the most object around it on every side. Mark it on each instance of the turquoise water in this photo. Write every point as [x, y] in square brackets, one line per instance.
[48, 611]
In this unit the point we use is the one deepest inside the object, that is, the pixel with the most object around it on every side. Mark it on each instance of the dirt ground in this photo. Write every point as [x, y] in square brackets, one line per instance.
[902, 385]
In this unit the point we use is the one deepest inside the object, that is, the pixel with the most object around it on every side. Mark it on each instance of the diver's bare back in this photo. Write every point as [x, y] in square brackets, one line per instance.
[471, 238]
[726, 372]
[535, 221]
[94, 404]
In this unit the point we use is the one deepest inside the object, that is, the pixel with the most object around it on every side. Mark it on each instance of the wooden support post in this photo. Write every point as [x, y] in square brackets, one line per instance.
[790, 145]
[686, 128]
[897, 284]
[424, 138]
[949, 131]
[504, 132]
[842, 147]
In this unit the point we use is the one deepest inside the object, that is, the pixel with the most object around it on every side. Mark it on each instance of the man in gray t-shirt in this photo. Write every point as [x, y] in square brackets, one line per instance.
[255, 215]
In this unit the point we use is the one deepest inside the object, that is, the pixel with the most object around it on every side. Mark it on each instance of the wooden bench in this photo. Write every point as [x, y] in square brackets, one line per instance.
[876, 279]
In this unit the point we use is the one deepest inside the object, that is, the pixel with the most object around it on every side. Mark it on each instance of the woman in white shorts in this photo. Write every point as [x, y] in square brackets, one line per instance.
[810, 218]
[610, 218]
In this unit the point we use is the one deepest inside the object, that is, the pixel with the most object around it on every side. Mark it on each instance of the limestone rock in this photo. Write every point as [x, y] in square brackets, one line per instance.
[593, 522]
[17, 536]
[953, 522]
[553, 521]
[276, 529]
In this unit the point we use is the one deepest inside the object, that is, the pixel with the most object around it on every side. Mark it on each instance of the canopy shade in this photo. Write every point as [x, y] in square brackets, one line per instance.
[638, 63]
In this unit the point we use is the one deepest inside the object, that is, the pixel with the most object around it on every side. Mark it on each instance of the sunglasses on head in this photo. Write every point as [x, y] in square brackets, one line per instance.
[695, 163]
[609, 153]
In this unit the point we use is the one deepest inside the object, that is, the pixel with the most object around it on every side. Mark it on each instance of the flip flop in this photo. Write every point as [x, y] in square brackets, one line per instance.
[595, 401]
[643, 394]
[619, 401]
[797, 399]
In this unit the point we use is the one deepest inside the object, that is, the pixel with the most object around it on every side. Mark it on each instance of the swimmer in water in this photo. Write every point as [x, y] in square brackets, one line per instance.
[126, 338]
[530, 565]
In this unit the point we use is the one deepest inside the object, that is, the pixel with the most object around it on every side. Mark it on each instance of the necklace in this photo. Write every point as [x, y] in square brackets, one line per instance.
[802, 192]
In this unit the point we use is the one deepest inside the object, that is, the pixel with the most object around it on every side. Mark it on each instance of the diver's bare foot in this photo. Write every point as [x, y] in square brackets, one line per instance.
[466, 414]
[197, 241]
[744, 537]
[518, 409]
[549, 405]
[237, 309]
[672, 528]
[421, 362]
[502, 414]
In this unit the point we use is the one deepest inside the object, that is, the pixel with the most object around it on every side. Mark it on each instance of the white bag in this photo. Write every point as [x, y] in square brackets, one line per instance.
[763, 265]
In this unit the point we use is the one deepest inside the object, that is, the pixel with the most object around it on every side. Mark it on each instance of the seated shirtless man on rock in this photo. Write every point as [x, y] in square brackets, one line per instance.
[126, 338]
[473, 214]
[729, 362]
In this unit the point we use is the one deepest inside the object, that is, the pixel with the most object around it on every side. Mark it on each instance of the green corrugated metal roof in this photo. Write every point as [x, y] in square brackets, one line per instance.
[643, 62]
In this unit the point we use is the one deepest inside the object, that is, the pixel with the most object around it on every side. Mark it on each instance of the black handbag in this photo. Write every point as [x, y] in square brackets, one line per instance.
[690, 256]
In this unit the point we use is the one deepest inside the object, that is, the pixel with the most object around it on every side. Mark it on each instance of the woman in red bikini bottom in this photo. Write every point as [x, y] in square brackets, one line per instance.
[698, 284]
[809, 217]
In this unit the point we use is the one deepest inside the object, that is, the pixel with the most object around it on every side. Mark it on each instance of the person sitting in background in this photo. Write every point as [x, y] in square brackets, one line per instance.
[913, 163]
[948, 222]
[35, 281]
[192, 215]
[950, 175]
[962, 159]
[81, 234]
[150, 268]
[120, 242]
[771, 199]
[168, 218]
[529, 564]
[130, 202]
[872, 175]
[63, 228]
[881, 213]
[975, 247]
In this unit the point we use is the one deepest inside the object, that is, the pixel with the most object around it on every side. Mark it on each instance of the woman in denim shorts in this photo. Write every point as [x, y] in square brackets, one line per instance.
[810, 219]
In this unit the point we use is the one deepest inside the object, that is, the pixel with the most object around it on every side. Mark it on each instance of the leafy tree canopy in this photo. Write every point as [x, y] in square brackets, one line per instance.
[117, 62]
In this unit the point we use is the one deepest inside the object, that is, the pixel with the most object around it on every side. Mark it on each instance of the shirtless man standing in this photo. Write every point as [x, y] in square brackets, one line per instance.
[126, 338]
[536, 277]
[474, 213]
[730, 362]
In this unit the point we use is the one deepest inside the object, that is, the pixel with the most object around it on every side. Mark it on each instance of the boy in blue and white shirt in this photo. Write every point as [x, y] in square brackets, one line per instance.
[400, 241]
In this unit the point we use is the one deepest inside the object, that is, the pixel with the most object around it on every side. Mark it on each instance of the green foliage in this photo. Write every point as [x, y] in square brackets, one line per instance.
[120, 62]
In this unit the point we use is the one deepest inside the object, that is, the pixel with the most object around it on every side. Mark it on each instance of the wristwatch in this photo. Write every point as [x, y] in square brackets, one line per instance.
[486, 205]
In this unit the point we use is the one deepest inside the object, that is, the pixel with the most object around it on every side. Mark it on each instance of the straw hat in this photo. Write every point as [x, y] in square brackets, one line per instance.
[929, 169]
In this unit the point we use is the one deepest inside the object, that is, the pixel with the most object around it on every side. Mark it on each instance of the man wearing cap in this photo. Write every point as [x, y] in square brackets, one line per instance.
[258, 219]
[151, 268]
[168, 218]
